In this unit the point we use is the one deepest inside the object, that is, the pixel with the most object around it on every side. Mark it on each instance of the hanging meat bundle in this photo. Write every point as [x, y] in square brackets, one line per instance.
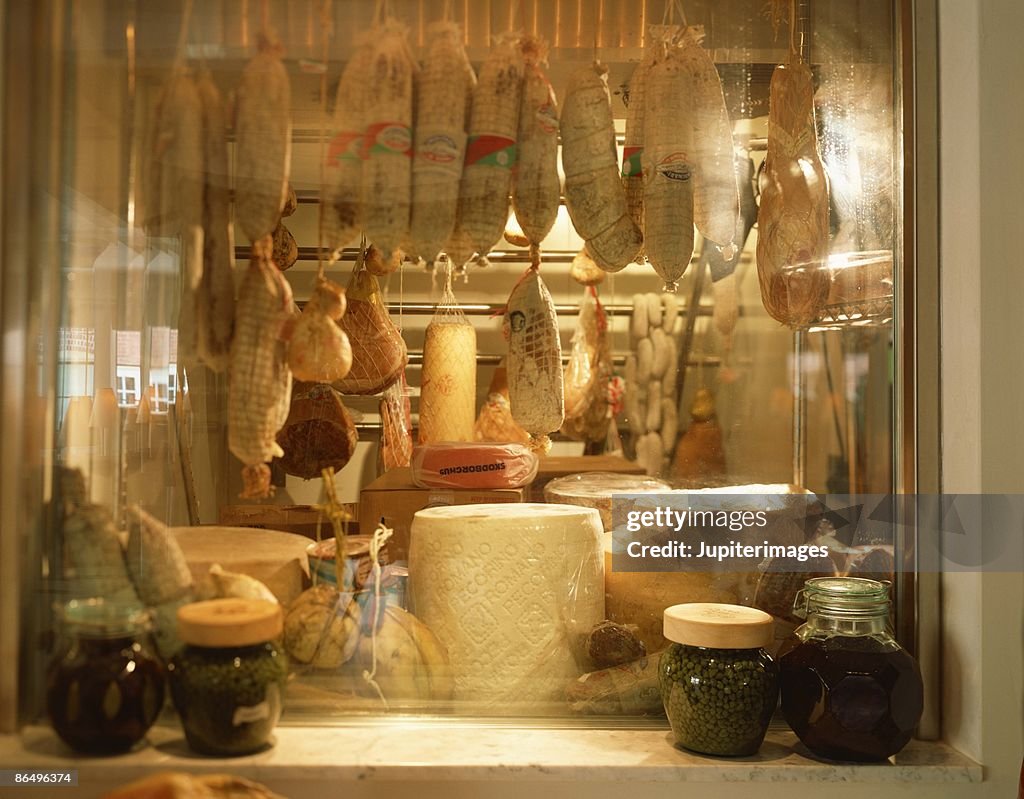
[668, 158]
[378, 351]
[260, 382]
[318, 349]
[386, 189]
[587, 373]
[535, 383]
[490, 151]
[263, 133]
[215, 297]
[594, 193]
[536, 192]
[715, 194]
[792, 222]
[633, 147]
[343, 173]
[444, 84]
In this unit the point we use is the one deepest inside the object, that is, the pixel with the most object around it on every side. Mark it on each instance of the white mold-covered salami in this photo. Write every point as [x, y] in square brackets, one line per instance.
[668, 169]
[386, 191]
[536, 192]
[263, 142]
[535, 381]
[491, 149]
[440, 140]
[343, 175]
[594, 194]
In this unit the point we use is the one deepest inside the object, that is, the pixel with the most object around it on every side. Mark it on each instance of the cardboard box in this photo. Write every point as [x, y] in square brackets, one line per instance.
[560, 466]
[299, 519]
[394, 497]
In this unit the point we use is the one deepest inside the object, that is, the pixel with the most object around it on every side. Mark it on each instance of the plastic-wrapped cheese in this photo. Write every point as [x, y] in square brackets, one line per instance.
[479, 465]
[595, 490]
[511, 591]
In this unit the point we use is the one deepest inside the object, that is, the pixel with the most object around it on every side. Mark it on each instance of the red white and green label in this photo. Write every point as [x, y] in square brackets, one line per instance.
[490, 150]
[675, 166]
[631, 166]
[345, 146]
[388, 137]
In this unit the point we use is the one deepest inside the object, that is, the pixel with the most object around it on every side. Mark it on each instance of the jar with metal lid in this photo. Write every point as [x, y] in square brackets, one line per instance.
[228, 681]
[718, 683]
[105, 689]
[849, 690]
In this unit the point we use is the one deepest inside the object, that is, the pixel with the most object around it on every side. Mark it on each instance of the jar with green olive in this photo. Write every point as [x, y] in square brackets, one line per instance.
[228, 681]
[718, 683]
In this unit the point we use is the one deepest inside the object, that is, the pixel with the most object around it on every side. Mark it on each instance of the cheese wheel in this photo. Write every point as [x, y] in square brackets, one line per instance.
[479, 465]
[511, 591]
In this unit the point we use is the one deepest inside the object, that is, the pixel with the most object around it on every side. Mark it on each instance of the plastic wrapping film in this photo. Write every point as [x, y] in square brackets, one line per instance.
[595, 489]
[640, 598]
[512, 592]
[473, 465]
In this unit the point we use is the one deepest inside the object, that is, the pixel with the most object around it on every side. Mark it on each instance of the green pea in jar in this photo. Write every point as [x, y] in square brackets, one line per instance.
[228, 681]
[718, 683]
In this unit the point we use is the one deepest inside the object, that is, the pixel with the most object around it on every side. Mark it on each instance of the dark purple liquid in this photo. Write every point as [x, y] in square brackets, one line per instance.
[850, 698]
[104, 694]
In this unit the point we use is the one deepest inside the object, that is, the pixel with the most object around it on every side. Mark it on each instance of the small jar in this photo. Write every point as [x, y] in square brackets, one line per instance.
[718, 683]
[849, 690]
[228, 681]
[105, 689]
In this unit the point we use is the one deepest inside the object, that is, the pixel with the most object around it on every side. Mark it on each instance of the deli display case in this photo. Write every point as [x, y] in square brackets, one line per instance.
[352, 323]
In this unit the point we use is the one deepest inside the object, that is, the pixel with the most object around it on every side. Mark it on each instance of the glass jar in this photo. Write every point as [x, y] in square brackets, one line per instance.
[849, 691]
[105, 689]
[228, 681]
[718, 684]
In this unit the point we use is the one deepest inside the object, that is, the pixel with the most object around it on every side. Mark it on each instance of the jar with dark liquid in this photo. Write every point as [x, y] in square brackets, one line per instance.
[105, 690]
[849, 690]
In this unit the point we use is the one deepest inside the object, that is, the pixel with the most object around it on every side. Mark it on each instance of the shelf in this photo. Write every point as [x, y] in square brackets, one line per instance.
[417, 750]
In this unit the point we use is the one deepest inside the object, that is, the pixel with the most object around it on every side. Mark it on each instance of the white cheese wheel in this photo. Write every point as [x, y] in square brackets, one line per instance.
[511, 591]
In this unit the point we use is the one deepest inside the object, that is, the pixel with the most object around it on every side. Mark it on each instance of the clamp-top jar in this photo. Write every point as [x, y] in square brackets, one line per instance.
[849, 690]
[718, 683]
[105, 690]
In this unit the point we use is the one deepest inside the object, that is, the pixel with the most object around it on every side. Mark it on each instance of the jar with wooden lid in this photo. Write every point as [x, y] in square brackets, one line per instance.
[718, 683]
[228, 681]
[849, 690]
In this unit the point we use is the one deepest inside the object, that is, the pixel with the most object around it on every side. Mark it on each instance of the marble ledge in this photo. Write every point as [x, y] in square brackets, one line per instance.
[420, 751]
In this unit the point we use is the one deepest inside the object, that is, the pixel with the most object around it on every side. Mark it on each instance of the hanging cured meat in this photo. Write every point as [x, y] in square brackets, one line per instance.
[260, 382]
[263, 133]
[535, 385]
[491, 150]
[536, 191]
[387, 143]
[594, 193]
[792, 223]
[668, 158]
[440, 141]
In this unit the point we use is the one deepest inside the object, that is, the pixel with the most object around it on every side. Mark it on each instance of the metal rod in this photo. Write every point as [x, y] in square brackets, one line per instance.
[799, 387]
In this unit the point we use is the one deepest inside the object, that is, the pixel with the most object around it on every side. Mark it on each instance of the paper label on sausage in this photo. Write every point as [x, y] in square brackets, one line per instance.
[547, 118]
[491, 150]
[439, 151]
[631, 162]
[675, 166]
[345, 146]
[388, 137]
